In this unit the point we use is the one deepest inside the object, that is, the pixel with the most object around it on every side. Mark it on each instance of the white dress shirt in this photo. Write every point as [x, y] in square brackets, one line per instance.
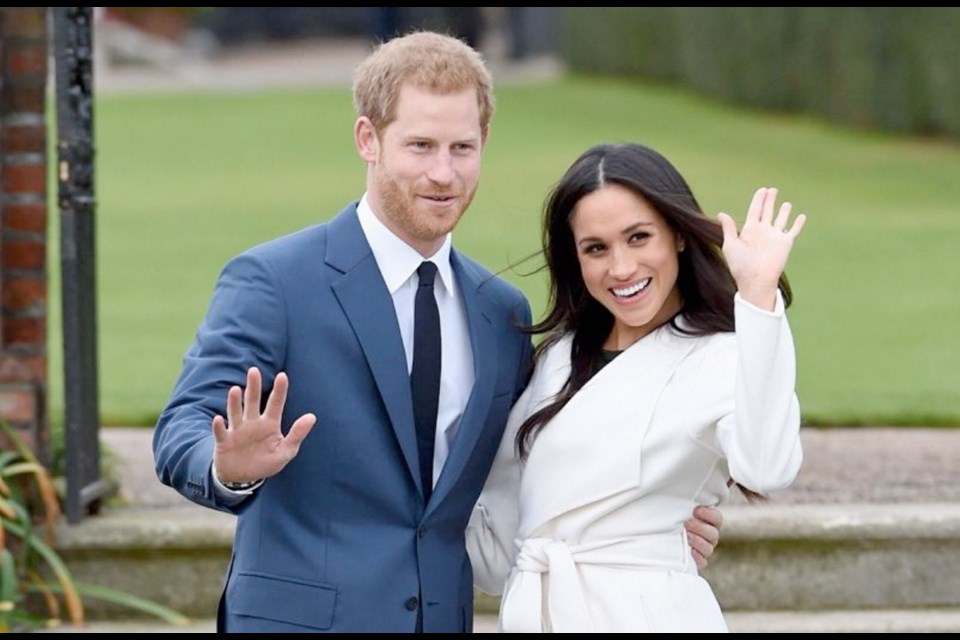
[398, 264]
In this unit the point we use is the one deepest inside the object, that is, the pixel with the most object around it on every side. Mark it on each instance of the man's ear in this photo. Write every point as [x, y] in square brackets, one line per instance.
[366, 140]
[483, 135]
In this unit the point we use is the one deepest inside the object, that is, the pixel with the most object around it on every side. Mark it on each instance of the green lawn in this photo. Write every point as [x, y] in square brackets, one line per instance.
[185, 181]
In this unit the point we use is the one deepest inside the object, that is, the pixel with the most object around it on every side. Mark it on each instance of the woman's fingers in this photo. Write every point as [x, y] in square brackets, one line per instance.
[729, 227]
[769, 201]
[797, 227]
[780, 223]
[755, 210]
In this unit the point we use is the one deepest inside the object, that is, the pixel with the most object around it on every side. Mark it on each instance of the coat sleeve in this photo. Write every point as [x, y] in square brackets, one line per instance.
[244, 327]
[761, 437]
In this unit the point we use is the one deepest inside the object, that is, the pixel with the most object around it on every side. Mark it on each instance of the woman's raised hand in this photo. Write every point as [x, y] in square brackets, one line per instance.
[757, 255]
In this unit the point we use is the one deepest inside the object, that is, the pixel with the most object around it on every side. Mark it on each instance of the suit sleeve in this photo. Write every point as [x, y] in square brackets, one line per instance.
[761, 437]
[245, 326]
[494, 523]
[495, 519]
[526, 357]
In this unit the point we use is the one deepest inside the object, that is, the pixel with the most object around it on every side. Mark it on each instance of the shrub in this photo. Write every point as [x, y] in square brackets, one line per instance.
[36, 588]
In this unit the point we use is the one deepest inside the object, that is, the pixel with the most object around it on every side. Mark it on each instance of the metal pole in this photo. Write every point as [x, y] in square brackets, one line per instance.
[73, 45]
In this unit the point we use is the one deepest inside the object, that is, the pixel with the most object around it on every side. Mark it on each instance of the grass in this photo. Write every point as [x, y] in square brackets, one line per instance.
[185, 181]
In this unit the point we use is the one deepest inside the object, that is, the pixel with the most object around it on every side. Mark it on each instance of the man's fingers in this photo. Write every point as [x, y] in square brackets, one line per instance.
[703, 530]
[700, 560]
[300, 429]
[219, 428]
[701, 546]
[278, 397]
[709, 514]
[708, 521]
[251, 396]
[234, 407]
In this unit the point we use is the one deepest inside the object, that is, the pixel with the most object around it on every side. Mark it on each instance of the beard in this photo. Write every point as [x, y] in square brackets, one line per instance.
[410, 218]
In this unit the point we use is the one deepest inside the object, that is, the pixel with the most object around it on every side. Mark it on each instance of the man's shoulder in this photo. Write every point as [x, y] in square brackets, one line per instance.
[306, 236]
[310, 238]
[280, 253]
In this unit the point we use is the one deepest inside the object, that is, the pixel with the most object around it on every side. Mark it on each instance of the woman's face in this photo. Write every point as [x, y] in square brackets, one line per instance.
[628, 260]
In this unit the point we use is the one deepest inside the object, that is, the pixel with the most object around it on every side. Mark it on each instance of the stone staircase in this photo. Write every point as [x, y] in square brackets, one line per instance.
[859, 566]
[789, 565]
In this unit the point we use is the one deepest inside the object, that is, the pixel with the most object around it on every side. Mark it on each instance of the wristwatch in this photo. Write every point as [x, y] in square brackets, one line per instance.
[240, 486]
[234, 486]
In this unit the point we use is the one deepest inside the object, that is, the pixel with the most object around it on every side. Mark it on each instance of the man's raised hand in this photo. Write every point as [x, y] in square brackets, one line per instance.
[250, 445]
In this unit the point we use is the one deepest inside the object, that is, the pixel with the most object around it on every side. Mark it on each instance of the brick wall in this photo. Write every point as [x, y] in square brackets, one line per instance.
[23, 223]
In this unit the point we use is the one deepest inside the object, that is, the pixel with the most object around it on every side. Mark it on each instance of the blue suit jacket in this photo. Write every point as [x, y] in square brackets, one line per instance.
[341, 539]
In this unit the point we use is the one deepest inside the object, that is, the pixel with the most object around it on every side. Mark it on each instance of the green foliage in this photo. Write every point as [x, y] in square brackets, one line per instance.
[185, 181]
[29, 563]
[889, 68]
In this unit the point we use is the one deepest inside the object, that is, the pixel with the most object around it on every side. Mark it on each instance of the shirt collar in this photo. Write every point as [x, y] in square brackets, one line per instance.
[396, 259]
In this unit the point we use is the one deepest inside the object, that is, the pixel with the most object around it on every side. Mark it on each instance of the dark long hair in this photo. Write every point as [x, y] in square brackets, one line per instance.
[704, 281]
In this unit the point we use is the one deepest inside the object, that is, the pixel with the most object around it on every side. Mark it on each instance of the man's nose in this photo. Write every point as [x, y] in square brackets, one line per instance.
[441, 171]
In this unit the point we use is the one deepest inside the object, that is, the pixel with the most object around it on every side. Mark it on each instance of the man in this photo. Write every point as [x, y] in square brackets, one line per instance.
[353, 529]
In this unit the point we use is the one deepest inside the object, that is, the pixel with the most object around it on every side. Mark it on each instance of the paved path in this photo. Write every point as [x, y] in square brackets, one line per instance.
[297, 64]
[895, 621]
[841, 465]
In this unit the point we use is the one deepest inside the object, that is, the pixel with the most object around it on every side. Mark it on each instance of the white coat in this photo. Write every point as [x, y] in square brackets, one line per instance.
[587, 535]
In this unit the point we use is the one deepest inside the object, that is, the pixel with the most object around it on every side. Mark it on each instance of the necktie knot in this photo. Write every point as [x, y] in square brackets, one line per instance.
[427, 272]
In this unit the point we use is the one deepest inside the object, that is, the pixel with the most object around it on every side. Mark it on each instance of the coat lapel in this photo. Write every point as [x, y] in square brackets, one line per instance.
[483, 342]
[369, 309]
[592, 448]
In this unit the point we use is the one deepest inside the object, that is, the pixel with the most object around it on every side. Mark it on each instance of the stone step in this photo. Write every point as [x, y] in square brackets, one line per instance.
[853, 621]
[801, 558]
[838, 556]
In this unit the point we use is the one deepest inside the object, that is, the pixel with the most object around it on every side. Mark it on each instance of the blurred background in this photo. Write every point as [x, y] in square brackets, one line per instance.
[217, 128]
[221, 127]
[209, 30]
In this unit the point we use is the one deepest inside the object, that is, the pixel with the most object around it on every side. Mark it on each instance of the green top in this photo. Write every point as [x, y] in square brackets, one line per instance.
[606, 357]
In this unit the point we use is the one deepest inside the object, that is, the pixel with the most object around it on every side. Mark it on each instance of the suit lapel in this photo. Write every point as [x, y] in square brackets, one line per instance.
[484, 345]
[369, 309]
[592, 449]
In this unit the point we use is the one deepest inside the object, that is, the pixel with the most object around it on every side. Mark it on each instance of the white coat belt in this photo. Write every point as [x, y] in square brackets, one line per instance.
[523, 605]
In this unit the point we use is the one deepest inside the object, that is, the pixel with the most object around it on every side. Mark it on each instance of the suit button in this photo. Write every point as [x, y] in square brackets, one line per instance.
[412, 604]
[422, 533]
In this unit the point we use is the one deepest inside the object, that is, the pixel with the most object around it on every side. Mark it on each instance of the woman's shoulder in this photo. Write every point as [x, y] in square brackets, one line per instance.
[711, 348]
[683, 329]
[557, 348]
[554, 356]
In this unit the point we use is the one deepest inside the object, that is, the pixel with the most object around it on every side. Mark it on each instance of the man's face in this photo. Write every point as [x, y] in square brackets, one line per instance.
[423, 168]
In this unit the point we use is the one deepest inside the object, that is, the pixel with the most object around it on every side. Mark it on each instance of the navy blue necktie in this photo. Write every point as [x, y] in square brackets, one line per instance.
[425, 374]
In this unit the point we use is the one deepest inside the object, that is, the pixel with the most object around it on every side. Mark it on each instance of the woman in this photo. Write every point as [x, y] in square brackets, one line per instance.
[666, 373]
